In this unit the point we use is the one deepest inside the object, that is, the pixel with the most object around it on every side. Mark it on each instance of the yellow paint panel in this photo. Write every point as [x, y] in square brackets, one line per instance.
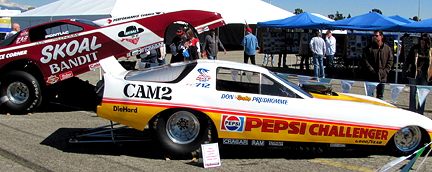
[349, 98]
[130, 115]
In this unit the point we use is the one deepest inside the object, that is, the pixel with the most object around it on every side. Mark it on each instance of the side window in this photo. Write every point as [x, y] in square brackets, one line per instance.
[273, 88]
[53, 30]
[236, 80]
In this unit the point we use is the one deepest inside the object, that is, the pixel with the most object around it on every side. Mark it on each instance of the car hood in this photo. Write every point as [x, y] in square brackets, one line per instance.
[353, 98]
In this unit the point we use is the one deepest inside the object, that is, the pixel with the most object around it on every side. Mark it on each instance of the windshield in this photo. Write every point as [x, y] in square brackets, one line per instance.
[292, 85]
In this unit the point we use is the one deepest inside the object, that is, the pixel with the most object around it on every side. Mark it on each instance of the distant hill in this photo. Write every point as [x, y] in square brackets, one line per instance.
[5, 4]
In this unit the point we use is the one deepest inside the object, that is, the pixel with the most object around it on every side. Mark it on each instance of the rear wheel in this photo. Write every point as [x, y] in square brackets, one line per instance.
[181, 133]
[20, 92]
[407, 140]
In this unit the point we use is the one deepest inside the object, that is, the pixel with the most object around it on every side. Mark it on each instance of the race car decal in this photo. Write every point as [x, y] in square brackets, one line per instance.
[14, 54]
[232, 123]
[256, 99]
[66, 75]
[147, 92]
[131, 34]
[52, 79]
[203, 77]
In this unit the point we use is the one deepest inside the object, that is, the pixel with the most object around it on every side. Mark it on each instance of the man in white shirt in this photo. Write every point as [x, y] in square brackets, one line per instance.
[15, 28]
[318, 47]
[330, 51]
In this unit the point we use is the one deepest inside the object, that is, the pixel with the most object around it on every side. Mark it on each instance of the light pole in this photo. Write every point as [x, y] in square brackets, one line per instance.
[418, 15]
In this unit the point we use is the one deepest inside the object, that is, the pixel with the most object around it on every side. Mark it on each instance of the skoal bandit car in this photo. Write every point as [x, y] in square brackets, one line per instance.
[48, 53]
[190, 103]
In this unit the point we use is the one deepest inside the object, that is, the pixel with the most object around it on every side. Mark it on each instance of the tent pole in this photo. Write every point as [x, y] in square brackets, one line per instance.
[397, 58]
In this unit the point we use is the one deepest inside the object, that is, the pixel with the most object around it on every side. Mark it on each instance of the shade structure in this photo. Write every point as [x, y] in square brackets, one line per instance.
[420, 26]
[368, 21]
[401, 19]
[304, 20]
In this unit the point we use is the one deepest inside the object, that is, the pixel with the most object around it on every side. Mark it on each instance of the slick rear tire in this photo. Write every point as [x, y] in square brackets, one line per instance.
[20, 92]
[180, 133]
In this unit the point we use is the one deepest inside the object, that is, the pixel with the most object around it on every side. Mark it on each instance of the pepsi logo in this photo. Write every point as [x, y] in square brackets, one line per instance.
[232, 123]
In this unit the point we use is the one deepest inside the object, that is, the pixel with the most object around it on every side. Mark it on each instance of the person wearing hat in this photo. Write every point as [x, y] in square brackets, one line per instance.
[209, 46]
[250, 43]
[177, 46]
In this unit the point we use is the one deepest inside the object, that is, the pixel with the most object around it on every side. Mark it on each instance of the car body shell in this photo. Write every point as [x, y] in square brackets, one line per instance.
[65, 48]
[240, 116]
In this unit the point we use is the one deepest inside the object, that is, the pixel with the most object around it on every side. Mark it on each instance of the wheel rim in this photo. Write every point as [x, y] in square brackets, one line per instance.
[408, 138]
[182, 127]
[17, 92]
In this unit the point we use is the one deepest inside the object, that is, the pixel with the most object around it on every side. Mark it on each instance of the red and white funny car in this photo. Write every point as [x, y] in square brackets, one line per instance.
[48, 53]
[191, 103]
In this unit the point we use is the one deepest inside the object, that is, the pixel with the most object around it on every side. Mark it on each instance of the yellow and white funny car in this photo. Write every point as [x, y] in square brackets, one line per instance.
[187, 104]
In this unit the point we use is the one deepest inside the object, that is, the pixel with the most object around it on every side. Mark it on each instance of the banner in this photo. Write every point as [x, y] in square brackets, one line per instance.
[400, 159]
[370, 88]
[249, 76]
[423, 92]
[234, 74]
[346, 86]
[325, 80]
[396, 89]
[303, 79]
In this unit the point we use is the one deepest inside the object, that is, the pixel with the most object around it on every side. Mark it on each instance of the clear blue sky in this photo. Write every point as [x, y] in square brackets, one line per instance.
[404, 8]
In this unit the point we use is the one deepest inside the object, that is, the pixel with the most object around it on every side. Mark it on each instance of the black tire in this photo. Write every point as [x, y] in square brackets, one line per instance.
[406, 141]
[198, 127]
[20, 92]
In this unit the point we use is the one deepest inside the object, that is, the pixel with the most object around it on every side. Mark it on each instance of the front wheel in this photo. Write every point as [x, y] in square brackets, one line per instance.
[20, 92]
[407, 140]
[181, 133]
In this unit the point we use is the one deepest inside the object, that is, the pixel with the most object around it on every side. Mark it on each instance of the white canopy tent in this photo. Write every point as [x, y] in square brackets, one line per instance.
[233, 11]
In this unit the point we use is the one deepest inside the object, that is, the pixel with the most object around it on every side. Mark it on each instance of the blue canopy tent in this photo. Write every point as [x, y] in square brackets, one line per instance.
[368, 21]
[401, 19]
[421, 26]
[301, 21]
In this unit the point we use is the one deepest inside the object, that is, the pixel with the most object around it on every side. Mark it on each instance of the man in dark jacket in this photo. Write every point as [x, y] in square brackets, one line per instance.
[378, 60]
[210, 47]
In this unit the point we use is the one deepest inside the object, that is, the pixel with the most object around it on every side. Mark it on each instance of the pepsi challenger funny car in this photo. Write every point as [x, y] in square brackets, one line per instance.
[187, 104]
[51, 52]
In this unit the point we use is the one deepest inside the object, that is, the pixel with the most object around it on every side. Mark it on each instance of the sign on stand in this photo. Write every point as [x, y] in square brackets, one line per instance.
[210, 155]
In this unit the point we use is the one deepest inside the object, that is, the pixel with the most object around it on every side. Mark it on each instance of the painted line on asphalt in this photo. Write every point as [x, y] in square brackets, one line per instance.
[351, 167]
[22, 161]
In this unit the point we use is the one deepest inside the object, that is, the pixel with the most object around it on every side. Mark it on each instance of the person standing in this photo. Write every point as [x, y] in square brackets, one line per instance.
[419, 70]
[15, 28]
[177, 46]
[250, 43]
[282, 58]
[378, 60]
[318, 46]
[209, 46]
[192, 45]
[268, 56]
[330, 51]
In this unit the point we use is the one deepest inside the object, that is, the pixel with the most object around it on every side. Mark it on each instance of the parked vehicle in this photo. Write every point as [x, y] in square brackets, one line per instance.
[191, 103]
[51, 52]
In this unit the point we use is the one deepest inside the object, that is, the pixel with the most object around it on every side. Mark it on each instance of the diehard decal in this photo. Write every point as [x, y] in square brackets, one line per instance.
[232, 123]
[124, 109]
